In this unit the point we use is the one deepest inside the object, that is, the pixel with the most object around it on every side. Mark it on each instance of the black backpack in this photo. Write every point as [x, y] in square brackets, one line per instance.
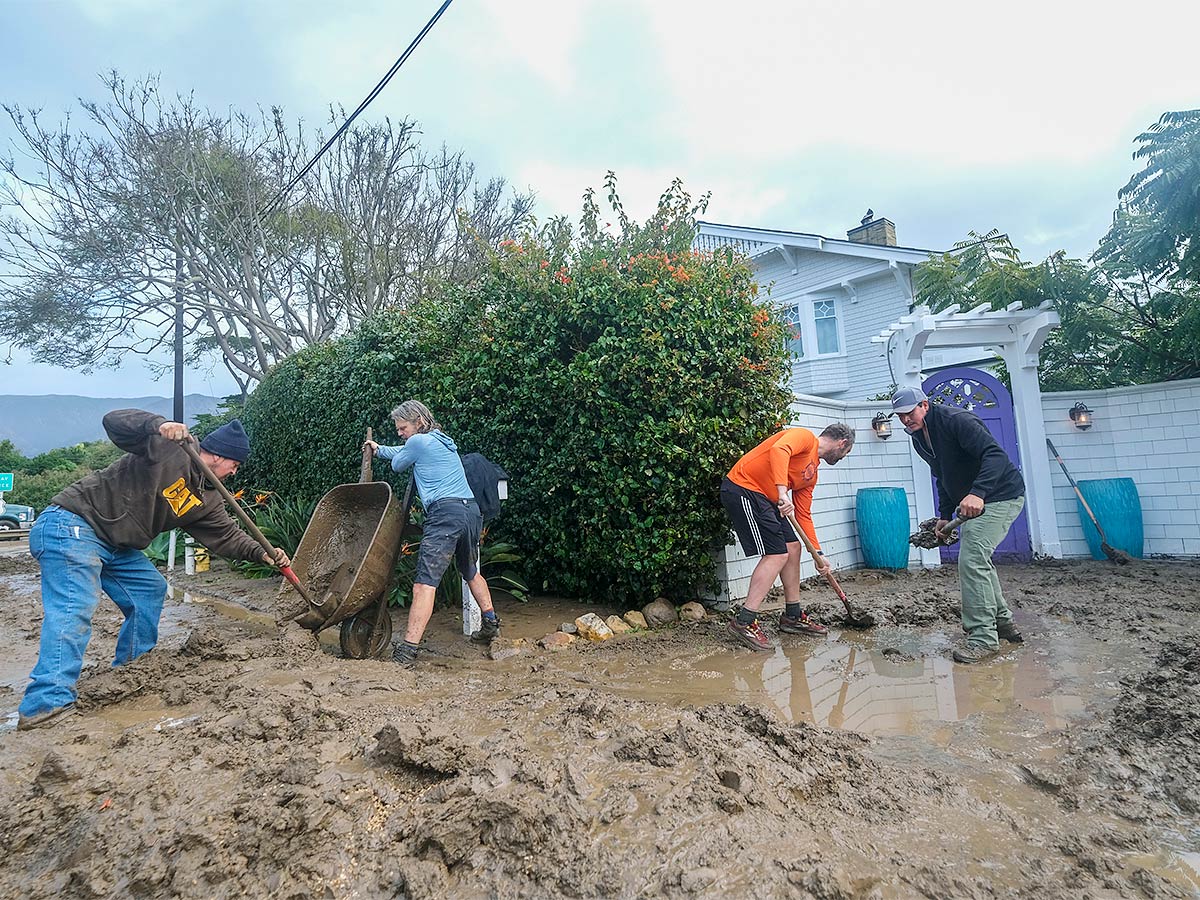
[483, 476]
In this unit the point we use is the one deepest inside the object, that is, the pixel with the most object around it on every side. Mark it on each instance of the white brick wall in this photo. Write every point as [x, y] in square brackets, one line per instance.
[1150, 433]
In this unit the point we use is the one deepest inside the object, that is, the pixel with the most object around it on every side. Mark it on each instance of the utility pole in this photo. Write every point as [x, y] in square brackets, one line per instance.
[178, 412]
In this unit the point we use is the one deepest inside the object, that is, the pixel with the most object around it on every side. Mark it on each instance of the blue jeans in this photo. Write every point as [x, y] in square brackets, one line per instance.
[76, 564]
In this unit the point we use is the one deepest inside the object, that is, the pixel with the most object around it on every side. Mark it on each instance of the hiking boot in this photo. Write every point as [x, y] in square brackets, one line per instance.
[24, 723]
[1007, 631]
[800, 624]
[488, 630]
[404, 654]
[973, 653]
[751, 635]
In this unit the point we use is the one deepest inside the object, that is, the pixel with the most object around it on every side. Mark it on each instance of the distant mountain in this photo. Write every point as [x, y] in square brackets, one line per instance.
[38, 424]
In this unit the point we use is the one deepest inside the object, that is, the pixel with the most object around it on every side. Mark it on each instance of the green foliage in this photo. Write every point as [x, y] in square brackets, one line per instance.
[616, 376]
[39, 478]
[495, 561]
[282, 522]
[1158, 228]
[160, 549]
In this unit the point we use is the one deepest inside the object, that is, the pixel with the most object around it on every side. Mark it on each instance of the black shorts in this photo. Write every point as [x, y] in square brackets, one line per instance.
[452, 527]
[761, 530]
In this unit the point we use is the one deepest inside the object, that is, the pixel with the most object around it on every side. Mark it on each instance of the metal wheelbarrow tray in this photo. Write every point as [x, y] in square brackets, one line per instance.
[347, 557]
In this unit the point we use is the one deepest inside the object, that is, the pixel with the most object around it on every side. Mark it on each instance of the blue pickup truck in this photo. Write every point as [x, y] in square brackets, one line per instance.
[15, 517]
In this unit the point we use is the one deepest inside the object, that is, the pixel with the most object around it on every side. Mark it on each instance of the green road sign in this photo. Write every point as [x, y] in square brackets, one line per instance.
[6, 481]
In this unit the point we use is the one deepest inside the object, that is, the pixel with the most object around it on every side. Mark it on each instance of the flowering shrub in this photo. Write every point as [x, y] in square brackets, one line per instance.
[615, 374]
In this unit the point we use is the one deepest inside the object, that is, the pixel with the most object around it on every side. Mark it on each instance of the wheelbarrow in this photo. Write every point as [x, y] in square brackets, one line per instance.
[347, 558]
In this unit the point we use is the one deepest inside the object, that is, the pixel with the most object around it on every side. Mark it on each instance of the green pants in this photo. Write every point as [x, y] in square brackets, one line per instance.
[983, 606]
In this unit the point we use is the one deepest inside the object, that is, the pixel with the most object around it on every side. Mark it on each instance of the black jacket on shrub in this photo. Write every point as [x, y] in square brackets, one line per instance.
[965, 458]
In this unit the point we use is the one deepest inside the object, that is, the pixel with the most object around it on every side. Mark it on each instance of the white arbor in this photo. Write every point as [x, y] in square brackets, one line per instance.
[1016, 335]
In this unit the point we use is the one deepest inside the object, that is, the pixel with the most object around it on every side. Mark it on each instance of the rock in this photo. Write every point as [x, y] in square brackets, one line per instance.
[691, 612]
[659, 613]
[53, 773]
[504, 648]
[568, 628]
[636, 620]
[734, 780]
[557, 641]
[592, 627]
[618, 625]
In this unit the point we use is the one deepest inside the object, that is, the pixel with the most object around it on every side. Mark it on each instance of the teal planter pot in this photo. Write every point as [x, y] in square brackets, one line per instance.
[883, 526]
[1118, 508]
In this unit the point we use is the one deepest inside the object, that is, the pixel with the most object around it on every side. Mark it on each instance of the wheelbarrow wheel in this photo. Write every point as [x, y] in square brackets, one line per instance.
[365, 634]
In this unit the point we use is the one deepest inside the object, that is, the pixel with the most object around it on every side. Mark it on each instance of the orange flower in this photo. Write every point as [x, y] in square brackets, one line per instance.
[545, 263]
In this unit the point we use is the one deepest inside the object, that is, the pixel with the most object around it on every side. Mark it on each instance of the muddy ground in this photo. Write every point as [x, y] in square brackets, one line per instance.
[236, 760]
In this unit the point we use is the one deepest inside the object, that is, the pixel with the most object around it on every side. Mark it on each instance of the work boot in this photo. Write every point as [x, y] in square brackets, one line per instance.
[488, 630]
[1007, 631]
[800, 624]
[24, 723]
[751, 635]
[404, 654]
[973, 653]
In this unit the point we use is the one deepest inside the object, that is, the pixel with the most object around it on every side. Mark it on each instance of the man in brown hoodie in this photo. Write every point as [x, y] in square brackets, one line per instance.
[92, 535]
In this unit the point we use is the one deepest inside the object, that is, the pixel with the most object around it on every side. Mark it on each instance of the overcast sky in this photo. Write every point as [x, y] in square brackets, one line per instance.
[941, 116]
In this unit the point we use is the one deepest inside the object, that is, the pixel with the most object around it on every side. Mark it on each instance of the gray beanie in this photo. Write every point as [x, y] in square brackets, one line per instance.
[229, 441]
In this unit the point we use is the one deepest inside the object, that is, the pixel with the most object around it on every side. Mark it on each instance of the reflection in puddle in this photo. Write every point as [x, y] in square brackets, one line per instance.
[878, 685]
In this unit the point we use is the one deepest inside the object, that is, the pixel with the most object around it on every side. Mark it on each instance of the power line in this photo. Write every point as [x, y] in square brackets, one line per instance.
[371, 96]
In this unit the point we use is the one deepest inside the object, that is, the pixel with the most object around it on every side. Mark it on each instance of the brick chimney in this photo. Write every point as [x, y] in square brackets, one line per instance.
[874, 231]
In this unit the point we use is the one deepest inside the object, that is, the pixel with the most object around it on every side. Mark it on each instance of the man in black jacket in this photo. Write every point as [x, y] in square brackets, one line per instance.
[92, 535]
[976, 478]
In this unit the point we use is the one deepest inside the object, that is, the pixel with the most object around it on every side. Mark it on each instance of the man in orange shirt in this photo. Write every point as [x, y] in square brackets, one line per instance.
[755, 493]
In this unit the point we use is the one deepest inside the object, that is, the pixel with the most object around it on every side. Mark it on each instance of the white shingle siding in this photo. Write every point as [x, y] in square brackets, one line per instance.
[1144, 433]
[1137, 434]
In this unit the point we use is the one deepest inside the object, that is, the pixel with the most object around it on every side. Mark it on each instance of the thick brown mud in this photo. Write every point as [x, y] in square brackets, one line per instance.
[239, 760]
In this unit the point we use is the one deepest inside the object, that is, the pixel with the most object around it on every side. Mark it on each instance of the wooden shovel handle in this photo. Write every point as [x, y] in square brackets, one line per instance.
[814, 553]
[189, 447]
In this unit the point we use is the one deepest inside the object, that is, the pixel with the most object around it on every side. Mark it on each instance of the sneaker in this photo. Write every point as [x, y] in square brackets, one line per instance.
[751, 635]
[405, 655]
[1007, 631]
[973, 653]
[800, 624]
[488, 630]
[24, 723]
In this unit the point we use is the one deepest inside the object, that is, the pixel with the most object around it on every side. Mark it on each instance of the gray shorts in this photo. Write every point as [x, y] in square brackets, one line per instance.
[452, 527]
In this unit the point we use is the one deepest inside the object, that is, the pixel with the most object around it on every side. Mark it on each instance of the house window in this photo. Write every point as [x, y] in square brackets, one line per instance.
[826, 326]
[795, 331]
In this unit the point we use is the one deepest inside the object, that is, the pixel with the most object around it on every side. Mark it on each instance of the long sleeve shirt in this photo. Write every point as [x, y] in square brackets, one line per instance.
[966, 459]
[153, 488]
[790, 458]
[437, 467]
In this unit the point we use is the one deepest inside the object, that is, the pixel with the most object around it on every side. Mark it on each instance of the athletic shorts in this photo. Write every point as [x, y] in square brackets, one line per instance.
[451, 531]
[761, 530]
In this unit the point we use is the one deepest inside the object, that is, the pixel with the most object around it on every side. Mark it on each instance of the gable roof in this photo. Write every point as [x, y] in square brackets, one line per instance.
[756, 242]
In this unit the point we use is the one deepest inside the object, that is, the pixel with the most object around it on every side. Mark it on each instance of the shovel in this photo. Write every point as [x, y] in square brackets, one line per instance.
[856, 618]
[291, 576]
[1117, 556]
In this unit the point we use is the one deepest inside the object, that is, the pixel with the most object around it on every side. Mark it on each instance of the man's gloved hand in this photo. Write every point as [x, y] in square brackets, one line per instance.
[279, 558]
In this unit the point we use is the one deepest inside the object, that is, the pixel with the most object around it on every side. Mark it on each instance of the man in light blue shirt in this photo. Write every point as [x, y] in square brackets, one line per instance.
[452, 521]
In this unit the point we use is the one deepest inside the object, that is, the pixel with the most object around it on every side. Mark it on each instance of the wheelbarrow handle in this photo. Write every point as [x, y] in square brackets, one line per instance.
[189, 447]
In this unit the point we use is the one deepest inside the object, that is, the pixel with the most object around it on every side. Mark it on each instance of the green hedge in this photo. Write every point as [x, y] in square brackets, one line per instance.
[616, 379]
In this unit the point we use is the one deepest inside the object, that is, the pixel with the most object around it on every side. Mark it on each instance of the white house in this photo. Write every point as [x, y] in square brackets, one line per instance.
[840, 294]
[837, 294]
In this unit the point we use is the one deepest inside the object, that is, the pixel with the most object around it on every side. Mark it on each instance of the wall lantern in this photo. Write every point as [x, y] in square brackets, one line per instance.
[882, 425]
[1081, 416]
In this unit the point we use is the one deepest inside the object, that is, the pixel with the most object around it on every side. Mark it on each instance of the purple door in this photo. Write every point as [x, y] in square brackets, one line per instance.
[987, 398]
